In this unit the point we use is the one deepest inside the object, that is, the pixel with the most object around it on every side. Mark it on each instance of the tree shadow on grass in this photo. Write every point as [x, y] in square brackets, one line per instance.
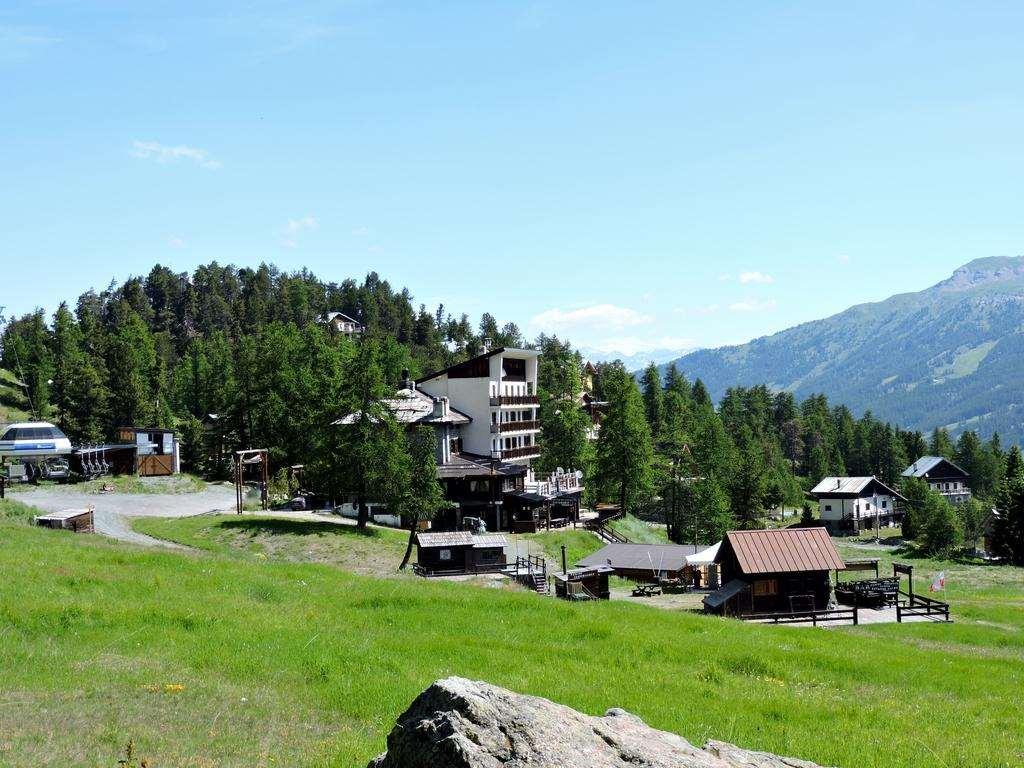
[274, 527]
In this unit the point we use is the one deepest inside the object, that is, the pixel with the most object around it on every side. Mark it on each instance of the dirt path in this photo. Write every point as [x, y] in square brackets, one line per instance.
[113, 512]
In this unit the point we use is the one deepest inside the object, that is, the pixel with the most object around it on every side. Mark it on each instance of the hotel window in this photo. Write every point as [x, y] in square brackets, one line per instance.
[444, 554]
[828, 507]
[766, 587]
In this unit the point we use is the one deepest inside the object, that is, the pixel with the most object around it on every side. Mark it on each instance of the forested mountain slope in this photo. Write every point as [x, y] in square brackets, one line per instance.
[952, 354]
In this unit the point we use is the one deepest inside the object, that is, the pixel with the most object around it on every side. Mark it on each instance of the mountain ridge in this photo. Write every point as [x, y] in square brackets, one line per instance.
[949, 355]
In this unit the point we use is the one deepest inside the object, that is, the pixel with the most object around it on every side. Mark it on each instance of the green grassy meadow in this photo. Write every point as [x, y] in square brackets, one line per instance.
[224, 658]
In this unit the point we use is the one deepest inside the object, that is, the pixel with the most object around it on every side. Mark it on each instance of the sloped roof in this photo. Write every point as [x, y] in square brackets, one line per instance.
[717, 598]
[783, 550]
[926, 464]
[482, 356]
[410, 406]
[335, 314]
[487, 540]
[464, 464]
[842, 484]
[852, 486]
[430, 539]
[641, 557]
[445, 539]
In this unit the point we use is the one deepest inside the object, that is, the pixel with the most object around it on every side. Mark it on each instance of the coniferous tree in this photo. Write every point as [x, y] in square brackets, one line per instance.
[624, 451]
[370, 449]
[565, 426]
[940, 443]
[419, 495]
[940, 533]
[654, 401]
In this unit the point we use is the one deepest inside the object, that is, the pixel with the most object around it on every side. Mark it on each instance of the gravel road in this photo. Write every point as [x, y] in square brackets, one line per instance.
[113, 511]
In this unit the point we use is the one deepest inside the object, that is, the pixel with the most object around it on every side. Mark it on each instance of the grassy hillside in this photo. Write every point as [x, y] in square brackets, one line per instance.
[375, 551]
[13, 404]
[217, 660]
[949, 355]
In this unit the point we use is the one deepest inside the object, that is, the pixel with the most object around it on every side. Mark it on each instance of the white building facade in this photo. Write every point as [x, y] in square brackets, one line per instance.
[498, 391]
[852, 504]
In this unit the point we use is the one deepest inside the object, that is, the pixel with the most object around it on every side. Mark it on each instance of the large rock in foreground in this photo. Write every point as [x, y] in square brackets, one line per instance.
[458, 723]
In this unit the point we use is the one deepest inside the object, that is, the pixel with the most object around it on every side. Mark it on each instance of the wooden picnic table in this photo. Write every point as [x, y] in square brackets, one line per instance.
[646, 590]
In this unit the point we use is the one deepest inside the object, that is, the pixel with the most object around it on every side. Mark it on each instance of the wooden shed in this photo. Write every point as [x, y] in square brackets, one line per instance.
[77, 520]
[583, 584]
[158, 450]
[774, 571]
[452, 553]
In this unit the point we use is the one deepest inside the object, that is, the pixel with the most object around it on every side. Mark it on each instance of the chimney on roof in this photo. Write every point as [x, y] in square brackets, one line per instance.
[486, 344]
[440, 407]
[839, 482]
[406, 382]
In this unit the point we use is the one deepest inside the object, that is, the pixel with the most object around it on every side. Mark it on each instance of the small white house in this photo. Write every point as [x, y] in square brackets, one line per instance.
[343, 324]
[855, 503]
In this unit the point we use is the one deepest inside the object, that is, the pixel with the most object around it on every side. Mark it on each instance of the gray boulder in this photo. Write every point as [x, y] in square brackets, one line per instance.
[459, 723]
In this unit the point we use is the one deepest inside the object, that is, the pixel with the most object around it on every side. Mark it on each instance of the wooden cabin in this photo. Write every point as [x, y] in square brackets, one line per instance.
[583, 584]
[643, 562]
[453, 553]
[943, 476]
[784, 570]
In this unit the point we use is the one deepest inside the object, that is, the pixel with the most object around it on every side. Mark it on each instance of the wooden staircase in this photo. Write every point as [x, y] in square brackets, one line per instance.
[532, 571]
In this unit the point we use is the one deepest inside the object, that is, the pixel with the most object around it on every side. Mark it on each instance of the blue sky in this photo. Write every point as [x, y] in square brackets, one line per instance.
[629, 175]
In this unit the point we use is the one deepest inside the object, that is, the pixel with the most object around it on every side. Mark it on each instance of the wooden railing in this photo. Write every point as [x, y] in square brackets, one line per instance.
[917, 605]
[518, 426]
[515, 400]
[420, 570]
[802, 617]
[517, 453]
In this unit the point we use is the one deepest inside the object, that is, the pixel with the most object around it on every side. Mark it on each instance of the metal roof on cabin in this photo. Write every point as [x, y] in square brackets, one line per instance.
[842, 485]
[445, 539]
[926, 464]
[784, 550]
[851, 486]
[641, 557]
[488, 540]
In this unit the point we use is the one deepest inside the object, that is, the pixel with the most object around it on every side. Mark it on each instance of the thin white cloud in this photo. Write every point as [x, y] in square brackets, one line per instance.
[755, 277]
[701, 311]
[752, 305]
[360, 231]
[162, 153]
[843, 258]
[18, 43]
[175, 242]
[724, 277]
[294, 228]
[598, 317]
[634, 345]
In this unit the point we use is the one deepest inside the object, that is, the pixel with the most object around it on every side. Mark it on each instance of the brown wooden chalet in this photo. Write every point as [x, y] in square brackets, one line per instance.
[774, 571]
[943, 477]
[450, 553]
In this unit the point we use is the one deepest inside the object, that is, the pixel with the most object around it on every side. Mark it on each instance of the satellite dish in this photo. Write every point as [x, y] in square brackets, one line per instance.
[579, 474]
[559, 471]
